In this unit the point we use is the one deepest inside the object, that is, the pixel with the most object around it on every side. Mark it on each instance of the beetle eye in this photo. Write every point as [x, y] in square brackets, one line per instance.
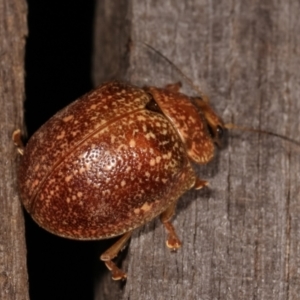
[217, 133]
[220, 135]
[220, 132]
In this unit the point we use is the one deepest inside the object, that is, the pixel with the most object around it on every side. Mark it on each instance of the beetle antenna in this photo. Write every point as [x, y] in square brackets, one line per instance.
[186, 78]
[228, 126]
[231, 126]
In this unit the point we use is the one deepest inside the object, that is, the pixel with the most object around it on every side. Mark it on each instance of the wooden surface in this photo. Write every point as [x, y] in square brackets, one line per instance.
[13, 30]
[241, 237]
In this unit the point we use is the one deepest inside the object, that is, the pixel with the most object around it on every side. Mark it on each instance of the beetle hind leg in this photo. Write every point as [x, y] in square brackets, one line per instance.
[173, 241]
[112, 252]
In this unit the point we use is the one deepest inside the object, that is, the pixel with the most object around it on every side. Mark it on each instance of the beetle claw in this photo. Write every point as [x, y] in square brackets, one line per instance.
[199, 184]
[117, 274]
[173, 243]
[16, 137]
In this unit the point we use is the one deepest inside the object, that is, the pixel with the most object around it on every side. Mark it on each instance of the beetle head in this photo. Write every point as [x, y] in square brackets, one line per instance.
[214, 123]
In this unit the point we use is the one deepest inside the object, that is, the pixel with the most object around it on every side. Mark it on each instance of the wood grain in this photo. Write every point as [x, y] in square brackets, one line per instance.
[13, 30]
[241, 237]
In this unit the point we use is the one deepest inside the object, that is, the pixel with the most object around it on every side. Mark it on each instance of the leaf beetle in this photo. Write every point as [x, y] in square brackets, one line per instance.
[113, 160]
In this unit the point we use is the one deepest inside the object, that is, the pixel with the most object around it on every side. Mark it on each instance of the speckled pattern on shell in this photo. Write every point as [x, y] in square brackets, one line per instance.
[103, 165]
[190, 125]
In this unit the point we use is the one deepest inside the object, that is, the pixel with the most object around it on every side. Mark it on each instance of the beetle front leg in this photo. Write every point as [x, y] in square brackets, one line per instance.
[16, 137]
[173, 241]
[174, 87]
[112, 252]
[199, 184]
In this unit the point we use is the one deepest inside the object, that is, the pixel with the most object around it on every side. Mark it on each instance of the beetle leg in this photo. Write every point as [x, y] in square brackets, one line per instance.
[16, 137]
[173, 241]
[112, 252]
[199, 184]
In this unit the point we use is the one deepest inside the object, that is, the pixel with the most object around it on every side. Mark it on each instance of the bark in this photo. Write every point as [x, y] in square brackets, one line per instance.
[241, 236]
[13, 30]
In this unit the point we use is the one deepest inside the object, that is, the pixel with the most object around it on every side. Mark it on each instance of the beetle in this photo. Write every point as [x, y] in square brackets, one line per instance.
[115, 159]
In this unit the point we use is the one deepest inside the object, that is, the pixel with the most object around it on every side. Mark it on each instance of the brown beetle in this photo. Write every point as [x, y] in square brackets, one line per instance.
[115, 159]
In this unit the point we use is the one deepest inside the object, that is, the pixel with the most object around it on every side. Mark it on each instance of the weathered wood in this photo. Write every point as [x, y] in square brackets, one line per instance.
[13, 30]
[240, 237]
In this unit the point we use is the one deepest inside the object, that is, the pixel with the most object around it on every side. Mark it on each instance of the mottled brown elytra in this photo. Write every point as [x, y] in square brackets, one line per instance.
[115, 159]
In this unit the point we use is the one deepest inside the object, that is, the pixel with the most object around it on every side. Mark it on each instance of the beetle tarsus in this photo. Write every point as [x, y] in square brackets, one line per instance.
[16, 137]
[117, 274]
[173, 241]
[199, 184]
[174, 87]
[112, 252]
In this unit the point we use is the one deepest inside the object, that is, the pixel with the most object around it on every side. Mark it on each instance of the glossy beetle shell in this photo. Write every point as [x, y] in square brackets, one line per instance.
[106, 164]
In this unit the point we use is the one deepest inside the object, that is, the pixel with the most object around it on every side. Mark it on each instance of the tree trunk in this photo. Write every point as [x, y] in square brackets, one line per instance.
[241, 236]
[13, 30]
